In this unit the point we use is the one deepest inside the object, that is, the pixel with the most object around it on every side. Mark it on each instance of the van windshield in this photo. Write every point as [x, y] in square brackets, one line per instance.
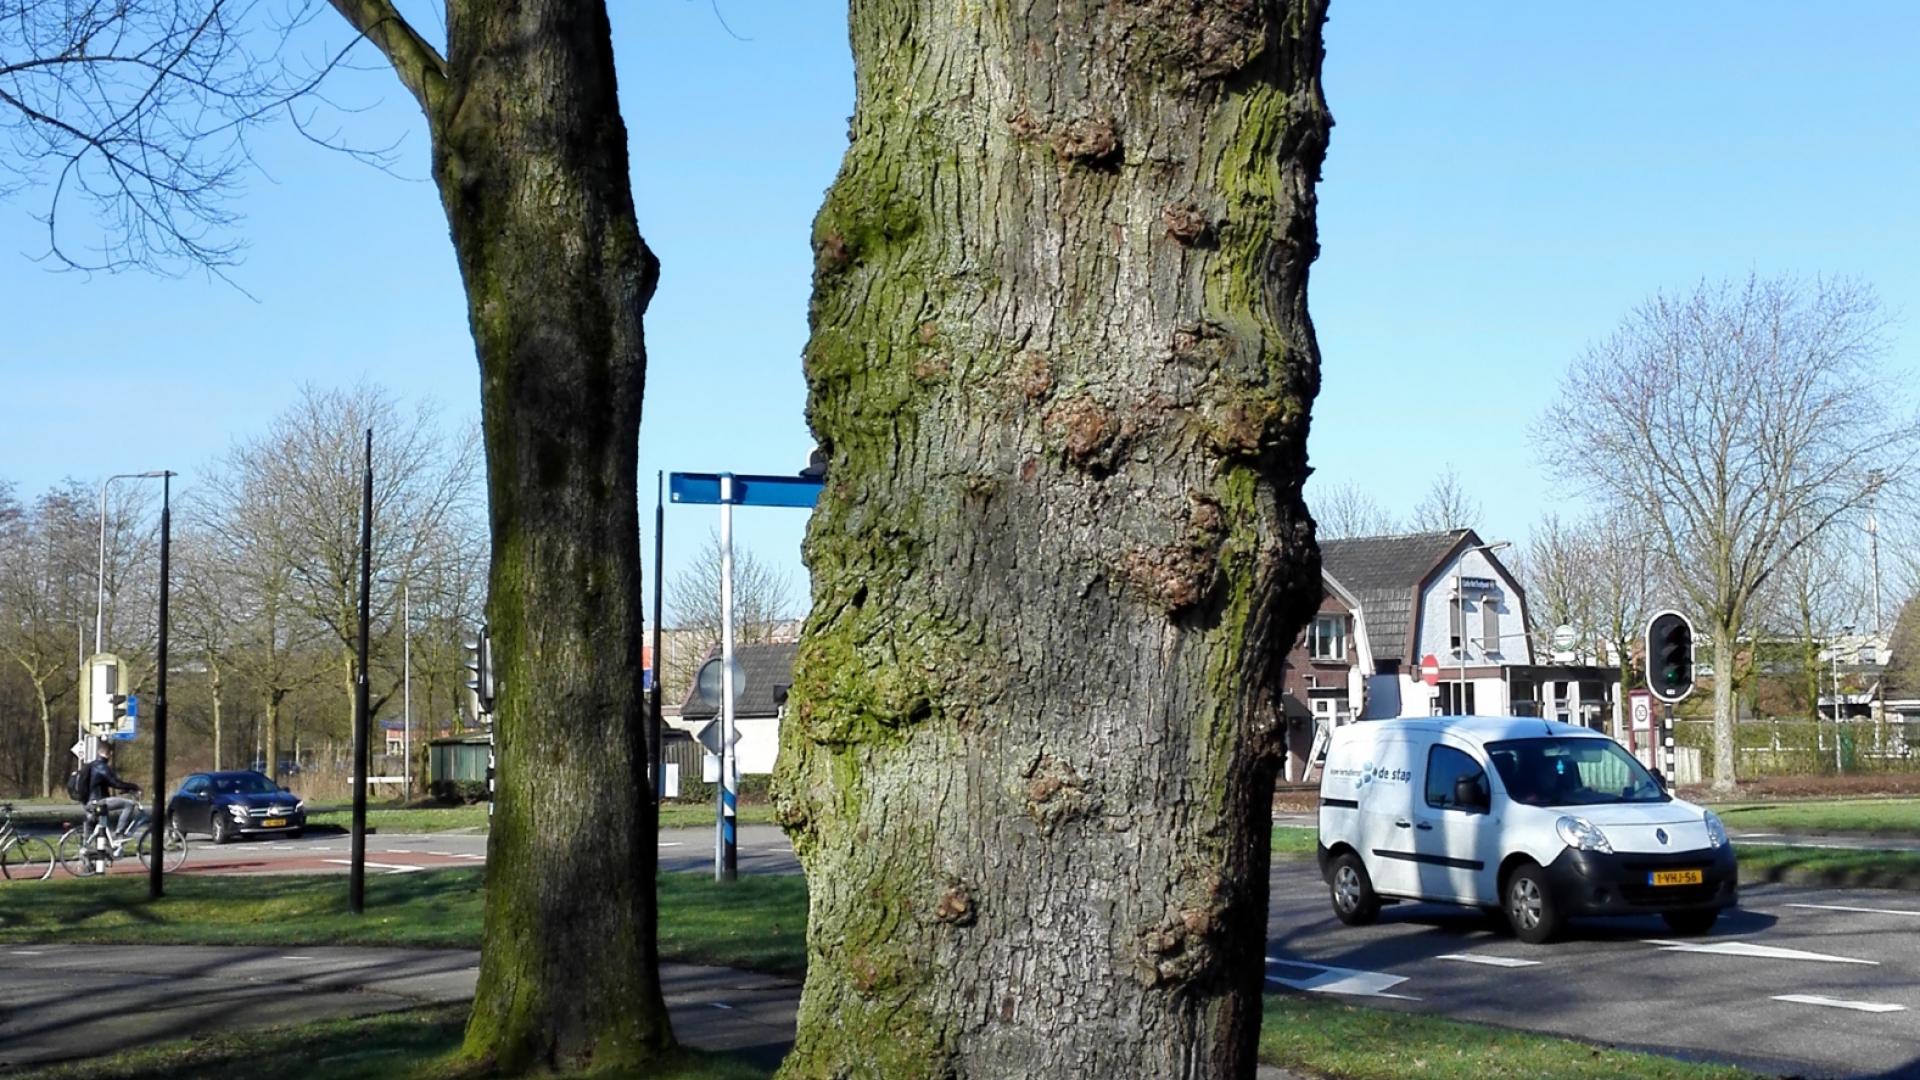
[1572, 772]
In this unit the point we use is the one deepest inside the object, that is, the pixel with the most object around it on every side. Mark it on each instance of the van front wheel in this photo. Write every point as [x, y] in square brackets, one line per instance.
[1530, 908]
[1354, 901]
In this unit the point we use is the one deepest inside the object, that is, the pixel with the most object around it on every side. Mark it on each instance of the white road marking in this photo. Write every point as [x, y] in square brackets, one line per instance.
[27, 952]
[1747, 948]
[468, 855]
[673, 843]
[1754, 835]
[397, 851]
[1337, 980]
[397, 868]
[1836, 1003]
[442, 854]
[1844, 907]
[1490, 961]
[721, 1005]
[296, 958]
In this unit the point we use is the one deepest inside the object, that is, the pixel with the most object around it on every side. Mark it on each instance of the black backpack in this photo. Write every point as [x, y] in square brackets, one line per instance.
[77, 785]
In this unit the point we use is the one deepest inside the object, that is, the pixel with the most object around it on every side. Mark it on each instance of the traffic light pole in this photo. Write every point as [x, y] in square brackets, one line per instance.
[727, 855]
[357, 870]
[1667, 751]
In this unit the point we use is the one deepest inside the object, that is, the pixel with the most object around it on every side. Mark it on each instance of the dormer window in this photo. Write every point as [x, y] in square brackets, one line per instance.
[1327, 638]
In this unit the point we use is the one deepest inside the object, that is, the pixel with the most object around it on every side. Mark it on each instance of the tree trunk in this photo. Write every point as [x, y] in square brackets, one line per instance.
[1061, 364]
[216, 720]
[1723, 710]
[530, 155]
[271, 753]
[46, 743]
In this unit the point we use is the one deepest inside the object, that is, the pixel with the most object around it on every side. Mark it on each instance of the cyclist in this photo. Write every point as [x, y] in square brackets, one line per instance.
[102, 782]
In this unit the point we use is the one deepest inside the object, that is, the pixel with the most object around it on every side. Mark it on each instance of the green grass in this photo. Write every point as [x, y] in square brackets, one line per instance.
[1308, 1032]
[417, 1044]
[1874, 817]
[758, 922]
[443, 819]
[1829, 866]
[1294, 842]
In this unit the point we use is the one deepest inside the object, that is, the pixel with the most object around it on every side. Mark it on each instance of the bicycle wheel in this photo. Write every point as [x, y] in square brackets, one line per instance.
[28, 858]
[71, 852]
[175, 845]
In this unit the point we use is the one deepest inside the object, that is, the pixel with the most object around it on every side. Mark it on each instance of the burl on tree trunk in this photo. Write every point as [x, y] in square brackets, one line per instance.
[1061, 363]
[530, 156]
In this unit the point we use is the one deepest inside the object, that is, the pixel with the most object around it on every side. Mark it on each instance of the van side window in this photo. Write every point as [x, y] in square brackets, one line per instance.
[1446, 767]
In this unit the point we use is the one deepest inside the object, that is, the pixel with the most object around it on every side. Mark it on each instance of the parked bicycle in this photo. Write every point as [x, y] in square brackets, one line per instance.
[97, 851]
[22, 858]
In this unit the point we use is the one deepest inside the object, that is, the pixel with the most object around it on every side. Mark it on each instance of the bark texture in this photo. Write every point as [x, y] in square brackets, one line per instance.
[531, 161]
[1725, 704]
[530, 156]
[1061, 363]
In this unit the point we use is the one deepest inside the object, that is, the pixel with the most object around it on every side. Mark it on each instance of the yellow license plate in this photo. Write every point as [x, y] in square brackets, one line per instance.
[1674, 877]
[276, 822]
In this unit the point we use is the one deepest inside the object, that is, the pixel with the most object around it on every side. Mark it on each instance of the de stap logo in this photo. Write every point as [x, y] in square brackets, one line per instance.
[1367, 774]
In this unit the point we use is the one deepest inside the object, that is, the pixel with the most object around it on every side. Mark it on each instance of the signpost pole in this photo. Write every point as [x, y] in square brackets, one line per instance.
[357, 870]
[157, 800]
[659, 657]
[728, 867]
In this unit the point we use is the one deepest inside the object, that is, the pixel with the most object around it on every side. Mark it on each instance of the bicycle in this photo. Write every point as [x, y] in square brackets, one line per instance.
[21, 856]
[96, 852]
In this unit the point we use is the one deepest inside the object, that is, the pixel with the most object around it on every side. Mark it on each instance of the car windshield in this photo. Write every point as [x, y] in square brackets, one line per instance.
[244, 784]
[1572, 772]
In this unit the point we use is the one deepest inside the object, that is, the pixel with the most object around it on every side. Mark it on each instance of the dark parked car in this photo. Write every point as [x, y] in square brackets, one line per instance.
[224, 805]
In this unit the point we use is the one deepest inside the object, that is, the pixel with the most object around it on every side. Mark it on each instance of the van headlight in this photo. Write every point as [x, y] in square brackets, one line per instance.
[1716, 832]
[1581, 834]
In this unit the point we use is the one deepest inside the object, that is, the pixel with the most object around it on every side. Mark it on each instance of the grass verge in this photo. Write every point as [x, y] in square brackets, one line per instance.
[758, 922]
[1829, 866]
[418, 1044]
[1310, 1033]
[1868, 817]
[1294, 842]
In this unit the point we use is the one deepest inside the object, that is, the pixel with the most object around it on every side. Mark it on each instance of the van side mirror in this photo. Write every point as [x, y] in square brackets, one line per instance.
[1660, 779]
[1469, 793]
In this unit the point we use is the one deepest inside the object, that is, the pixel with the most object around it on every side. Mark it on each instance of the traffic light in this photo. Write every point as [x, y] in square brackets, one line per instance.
[480, 663]
[1670, 656]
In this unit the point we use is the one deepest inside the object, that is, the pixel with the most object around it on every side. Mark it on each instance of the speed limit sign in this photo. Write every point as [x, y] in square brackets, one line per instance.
[1642, 712]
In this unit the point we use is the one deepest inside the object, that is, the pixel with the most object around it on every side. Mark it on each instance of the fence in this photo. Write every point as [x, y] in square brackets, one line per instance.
[1800, 747]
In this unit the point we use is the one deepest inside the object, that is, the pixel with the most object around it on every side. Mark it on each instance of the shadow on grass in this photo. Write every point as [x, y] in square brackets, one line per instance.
[417, 1044]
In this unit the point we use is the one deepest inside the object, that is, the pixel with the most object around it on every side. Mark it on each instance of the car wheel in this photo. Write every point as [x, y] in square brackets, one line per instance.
[1354, 901]
[1531, 912]
[1691, 923]
[222, 829]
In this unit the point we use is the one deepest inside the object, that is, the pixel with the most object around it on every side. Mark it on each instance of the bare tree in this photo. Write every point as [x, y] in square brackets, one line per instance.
[1738, 422]
[1344, 510]
[1446, 506]
[136, 114]
[763, 601]
[1597, 576]
[43, 587]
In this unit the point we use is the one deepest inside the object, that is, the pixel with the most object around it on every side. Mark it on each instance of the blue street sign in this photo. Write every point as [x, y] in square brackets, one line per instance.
[133, 706]
[703, 489]
[133, 717]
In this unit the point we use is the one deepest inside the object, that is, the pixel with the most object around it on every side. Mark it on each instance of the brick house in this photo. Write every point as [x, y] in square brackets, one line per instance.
[1324, 676]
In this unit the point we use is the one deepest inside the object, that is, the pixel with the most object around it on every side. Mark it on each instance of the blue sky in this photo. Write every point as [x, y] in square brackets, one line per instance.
[1504, 182]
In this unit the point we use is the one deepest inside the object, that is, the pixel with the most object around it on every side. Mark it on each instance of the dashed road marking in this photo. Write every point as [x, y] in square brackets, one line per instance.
[673, 843]
[442, 854]
[1836, 1003]
[721, 1005]
[1864, 910]
[1490, 961]
[296, 958]
[1321, 979]
[1747, 948]
[27, 952]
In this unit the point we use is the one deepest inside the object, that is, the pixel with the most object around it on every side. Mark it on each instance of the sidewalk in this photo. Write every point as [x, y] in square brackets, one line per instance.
[58, 1002]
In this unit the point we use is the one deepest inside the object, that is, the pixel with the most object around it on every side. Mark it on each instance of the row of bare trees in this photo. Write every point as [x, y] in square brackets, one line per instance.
[265, 587]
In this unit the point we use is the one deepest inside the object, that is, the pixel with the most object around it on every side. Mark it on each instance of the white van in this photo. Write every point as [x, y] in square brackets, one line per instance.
[1538, 819]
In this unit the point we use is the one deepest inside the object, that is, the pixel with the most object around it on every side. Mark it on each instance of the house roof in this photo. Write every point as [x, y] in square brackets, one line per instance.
[1385, 573]
[768, 670]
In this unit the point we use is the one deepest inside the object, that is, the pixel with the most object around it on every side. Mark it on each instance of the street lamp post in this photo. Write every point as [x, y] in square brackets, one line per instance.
[1460, 605]
[100, 577]
[1833, 656]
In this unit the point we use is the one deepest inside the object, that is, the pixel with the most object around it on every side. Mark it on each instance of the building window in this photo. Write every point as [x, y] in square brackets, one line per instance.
[1451, 701]
[1489, 625]
[1457, 623]
[1327, 638]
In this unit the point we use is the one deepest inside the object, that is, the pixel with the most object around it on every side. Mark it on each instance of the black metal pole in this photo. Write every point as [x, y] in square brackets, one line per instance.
[357, 873]
[659, 658]
[157, 799]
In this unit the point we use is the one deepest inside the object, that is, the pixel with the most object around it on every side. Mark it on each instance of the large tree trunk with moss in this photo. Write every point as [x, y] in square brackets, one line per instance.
[530, 156]
[1061, 363]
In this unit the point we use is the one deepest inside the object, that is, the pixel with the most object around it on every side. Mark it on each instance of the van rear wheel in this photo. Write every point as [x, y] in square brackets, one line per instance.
[1530, 908]
[1354, 901]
